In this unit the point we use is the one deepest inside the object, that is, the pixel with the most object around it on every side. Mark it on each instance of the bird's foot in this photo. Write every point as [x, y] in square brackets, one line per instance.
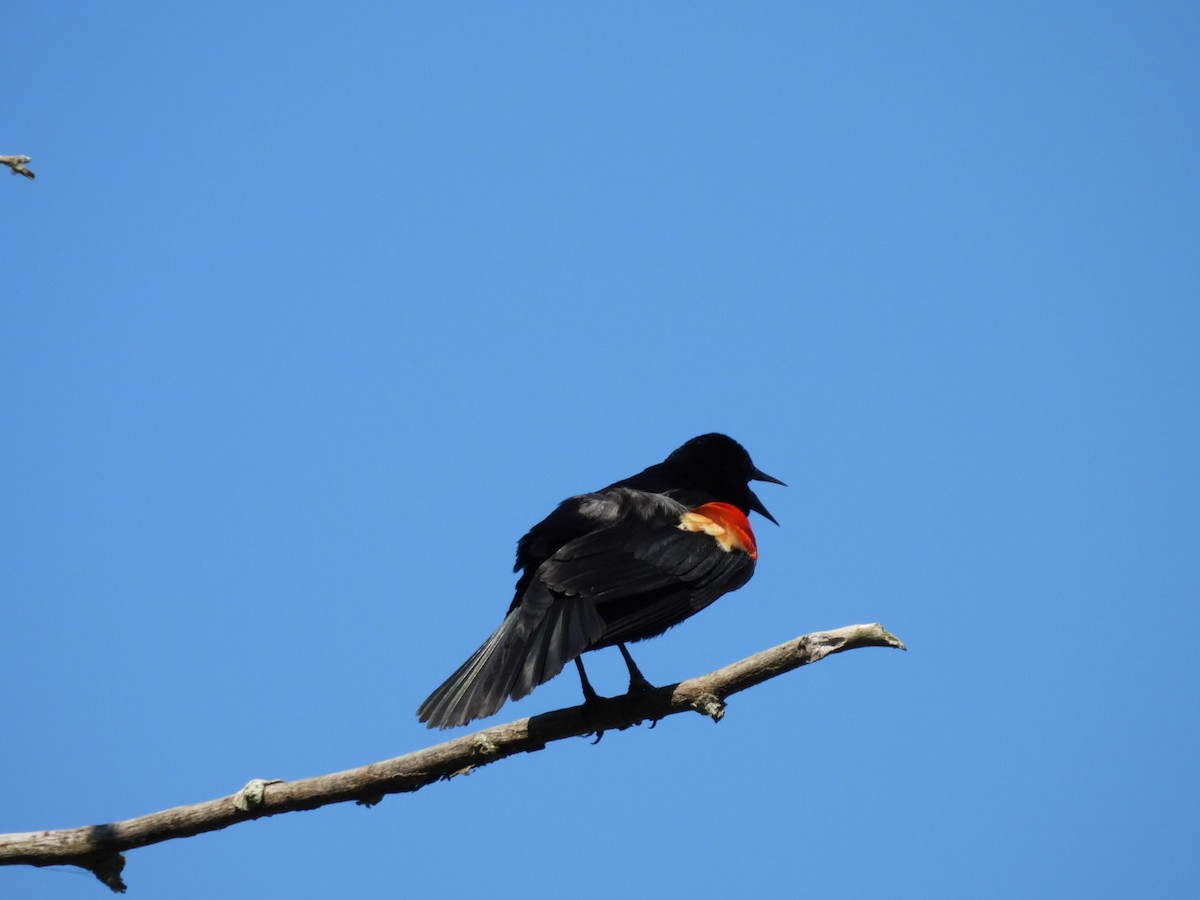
[591, 700]
[638, 684]
[637, 681]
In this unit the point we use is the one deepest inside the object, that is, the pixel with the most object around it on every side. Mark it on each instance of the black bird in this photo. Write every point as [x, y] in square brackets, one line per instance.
[619, 565]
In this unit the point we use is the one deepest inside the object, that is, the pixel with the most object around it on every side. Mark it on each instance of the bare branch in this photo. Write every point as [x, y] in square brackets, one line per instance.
[17, 164]
[98, 848]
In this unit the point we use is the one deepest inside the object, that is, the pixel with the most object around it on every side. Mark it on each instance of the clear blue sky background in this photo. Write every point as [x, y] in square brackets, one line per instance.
[313, 309]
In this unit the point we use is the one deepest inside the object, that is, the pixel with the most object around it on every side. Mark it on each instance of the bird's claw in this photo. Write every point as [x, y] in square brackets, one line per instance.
[640, 685]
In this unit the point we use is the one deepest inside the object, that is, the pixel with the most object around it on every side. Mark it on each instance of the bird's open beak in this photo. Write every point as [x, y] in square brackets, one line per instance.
[760, 475]
[755, 503]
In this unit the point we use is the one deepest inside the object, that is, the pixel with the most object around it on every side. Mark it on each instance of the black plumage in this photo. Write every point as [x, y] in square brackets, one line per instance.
[619, 565]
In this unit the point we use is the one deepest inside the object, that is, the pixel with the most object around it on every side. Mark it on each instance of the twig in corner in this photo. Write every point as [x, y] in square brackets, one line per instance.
[17, 164]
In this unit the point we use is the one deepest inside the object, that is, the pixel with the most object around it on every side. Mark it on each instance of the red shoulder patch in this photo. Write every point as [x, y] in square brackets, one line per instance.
[723, 521]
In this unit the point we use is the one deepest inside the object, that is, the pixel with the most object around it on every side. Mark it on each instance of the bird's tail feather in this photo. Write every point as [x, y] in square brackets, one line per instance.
[531, 646]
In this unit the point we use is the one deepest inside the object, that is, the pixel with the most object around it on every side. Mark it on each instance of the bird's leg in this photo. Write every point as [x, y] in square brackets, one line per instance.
[589, 692]
[637, 681]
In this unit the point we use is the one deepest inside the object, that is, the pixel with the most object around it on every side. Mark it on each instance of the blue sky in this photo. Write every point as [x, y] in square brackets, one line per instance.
[311, 313]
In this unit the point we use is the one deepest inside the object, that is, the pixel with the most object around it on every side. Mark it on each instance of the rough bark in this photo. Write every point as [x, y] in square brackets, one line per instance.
[98, 848]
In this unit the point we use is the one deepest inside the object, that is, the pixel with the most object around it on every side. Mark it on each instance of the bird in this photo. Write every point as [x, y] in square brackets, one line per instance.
[615, 566]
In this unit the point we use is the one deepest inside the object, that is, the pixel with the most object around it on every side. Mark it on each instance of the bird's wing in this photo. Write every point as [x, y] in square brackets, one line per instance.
[643, 580]
[624, 581]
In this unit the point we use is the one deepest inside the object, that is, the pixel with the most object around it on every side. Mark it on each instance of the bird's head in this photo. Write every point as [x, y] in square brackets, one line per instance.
[719, 464]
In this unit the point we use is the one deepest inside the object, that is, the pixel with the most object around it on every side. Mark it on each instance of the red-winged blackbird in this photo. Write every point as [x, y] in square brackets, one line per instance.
[619, 565]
